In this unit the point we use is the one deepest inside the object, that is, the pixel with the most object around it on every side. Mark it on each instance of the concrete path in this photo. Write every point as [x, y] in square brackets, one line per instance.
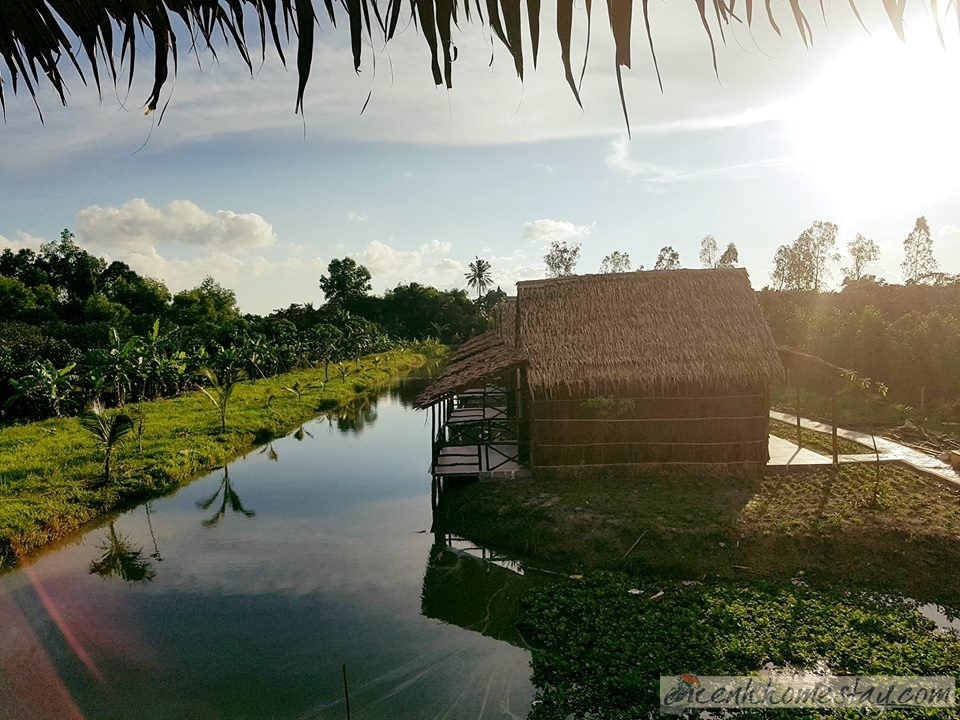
[784, 453]
[890, 451]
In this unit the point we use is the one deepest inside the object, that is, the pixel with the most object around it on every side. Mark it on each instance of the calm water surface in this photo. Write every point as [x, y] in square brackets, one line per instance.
[245, 593]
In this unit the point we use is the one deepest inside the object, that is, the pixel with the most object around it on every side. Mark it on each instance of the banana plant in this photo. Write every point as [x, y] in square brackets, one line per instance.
[108, 429]
[44, 382]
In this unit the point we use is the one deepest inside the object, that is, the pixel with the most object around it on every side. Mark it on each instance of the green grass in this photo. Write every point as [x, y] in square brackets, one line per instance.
[899, 535]
[817, 441]
[602, 643]
[49, 470]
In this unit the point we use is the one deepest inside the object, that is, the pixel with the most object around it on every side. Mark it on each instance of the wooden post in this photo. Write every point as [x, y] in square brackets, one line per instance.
[833, 420]
[799, 438]
[346, 690]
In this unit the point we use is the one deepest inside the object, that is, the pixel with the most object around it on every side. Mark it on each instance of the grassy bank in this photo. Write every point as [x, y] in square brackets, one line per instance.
[49, 470]
[900, 534]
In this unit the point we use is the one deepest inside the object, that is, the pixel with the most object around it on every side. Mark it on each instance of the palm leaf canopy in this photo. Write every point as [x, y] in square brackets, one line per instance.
[106, 428]
[39, 38]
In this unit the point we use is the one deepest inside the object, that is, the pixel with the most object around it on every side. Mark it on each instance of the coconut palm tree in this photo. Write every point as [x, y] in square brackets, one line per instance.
[222, 385]
[109, 430]
[35, 35]
[479, 276]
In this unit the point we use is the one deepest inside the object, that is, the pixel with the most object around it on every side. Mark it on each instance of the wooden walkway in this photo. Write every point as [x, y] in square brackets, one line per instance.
[890, 451]
[479, 461]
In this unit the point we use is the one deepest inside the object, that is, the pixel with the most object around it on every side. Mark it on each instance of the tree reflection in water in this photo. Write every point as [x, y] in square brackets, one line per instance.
[121, 559]
[228, 498]
[355, 415]
[301, 433]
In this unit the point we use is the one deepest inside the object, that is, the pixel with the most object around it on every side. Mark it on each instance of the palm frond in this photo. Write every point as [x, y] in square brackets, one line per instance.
[38, 37]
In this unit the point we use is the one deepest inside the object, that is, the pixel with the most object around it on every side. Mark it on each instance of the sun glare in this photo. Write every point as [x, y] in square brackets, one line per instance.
[878, 126]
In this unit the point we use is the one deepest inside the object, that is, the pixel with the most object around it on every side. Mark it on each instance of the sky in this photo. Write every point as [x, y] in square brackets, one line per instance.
[859, 129]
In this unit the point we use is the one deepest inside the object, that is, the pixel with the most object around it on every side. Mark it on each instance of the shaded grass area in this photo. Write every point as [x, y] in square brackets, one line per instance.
[49, 470]
[817, 441]
[900, 533]
[728, 575]
[603, 642]
[855, 409]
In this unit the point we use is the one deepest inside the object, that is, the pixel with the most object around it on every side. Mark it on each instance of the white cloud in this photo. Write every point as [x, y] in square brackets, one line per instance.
[23, 241]
[137, 226]
[620, 159]
[389, 265]
[356, 217]
[545, 231]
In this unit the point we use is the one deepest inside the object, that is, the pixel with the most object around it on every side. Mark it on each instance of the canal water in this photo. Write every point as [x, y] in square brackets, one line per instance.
[248, 592]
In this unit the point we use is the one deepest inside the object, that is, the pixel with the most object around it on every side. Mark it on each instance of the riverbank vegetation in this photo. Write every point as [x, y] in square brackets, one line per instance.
[892, 532]
[720, 576]
[52, 471]
[75, 330]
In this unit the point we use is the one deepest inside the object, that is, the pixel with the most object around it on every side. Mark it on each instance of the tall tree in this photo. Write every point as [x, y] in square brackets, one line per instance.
[616, 262]
[805, 264]
[668, 259]
[562, 258]
[711, 257]
[709, 252]
[345, 282]
[478, 276]
[729, 257]
[862, 251]
[817, 248]
[918, 263]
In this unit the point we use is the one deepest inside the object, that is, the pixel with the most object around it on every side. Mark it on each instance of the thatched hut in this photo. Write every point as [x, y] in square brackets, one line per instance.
[659, 369]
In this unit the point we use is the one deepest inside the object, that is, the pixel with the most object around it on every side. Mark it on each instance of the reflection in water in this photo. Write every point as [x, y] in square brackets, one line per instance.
[241, 628]
[355, 415]
[301, 433]
[269, 451]
[228, 496]
[407, 389]
[156, 550]
[472, 588]
[121, 559]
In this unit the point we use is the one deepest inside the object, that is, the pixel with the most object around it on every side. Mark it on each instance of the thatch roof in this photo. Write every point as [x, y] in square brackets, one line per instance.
[479, 358]
[38, 37]
[471, 373]
[591, 335]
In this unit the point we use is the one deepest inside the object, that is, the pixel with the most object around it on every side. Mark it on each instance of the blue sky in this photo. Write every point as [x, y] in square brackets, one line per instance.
[859, 130]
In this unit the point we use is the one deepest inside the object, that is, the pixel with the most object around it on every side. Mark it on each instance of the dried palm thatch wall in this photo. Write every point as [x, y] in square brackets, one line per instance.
[667, 368]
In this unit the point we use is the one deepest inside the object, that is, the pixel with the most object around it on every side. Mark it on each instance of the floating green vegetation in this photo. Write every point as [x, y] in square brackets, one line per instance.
[603, 642]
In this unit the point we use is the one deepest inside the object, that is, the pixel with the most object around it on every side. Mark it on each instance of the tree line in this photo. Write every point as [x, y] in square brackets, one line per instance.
[563, 256]
[808, 262]
[77, 332]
